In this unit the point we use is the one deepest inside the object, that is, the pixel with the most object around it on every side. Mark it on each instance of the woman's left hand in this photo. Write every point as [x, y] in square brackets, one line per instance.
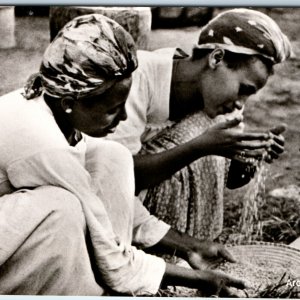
[204, 253]
[277, 143]
[198, 253]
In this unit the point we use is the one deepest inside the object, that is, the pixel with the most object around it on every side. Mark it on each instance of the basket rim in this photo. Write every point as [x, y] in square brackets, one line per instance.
[260, 243]
[279, 253]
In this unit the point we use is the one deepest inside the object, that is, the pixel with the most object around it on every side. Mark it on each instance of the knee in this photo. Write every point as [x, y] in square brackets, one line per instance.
[63, 209]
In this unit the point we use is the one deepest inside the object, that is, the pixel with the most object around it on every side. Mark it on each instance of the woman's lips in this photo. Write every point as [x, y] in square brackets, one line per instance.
[227, 110]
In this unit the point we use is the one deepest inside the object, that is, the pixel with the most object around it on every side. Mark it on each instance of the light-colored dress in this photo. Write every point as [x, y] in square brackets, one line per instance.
[52, 194]
[192, 199]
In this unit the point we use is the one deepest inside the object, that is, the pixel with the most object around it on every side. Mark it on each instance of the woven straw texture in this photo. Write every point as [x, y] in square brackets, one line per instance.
[279, 255]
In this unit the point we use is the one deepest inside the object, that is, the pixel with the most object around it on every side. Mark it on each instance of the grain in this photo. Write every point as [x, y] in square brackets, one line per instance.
[262, 276]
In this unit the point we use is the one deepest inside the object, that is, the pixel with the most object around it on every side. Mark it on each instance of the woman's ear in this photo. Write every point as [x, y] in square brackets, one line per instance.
[215, 58]
[67, 104]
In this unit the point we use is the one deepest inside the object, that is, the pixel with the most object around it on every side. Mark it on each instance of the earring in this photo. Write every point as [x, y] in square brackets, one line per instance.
[68, 110]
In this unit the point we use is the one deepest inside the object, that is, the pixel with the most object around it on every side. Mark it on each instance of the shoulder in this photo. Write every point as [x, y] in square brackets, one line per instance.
[24, 120]
[153, 65]
[159, 56]
[12, 98]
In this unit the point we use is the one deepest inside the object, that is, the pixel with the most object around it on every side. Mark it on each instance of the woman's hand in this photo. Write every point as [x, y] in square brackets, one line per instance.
[201, 254]
[277, 143]
[208, 282]
[216, 283]
[241, 172]
[224, 140]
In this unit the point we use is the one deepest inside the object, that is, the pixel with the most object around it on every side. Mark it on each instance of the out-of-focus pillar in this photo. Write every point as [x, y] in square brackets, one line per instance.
[7, 27]
[136, 20]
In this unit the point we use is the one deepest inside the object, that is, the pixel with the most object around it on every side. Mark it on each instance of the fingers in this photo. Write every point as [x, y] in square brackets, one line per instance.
[252, 136]
[253, 145]
[237, 283]
[219, 283]
[273, 154]
[278, 129]
[249, 157]
[225, 254]
[279, 139]
[226, 292]
[276, 148]
[277, 145]
[270, 156]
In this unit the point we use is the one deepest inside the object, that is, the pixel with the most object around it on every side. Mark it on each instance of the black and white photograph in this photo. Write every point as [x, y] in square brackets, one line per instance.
[150, 151]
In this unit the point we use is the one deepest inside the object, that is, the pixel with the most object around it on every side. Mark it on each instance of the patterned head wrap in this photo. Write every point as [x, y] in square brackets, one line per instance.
[246, 31]
[87, 57]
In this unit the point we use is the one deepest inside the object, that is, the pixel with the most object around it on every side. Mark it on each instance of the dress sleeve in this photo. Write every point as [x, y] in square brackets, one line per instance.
[124, 268]
[148, 230]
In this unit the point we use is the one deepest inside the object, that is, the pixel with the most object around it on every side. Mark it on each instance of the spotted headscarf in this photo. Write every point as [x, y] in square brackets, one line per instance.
[87, 57]
[246, 31]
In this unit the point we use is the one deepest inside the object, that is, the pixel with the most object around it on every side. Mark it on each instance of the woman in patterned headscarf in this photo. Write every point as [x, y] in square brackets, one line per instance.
[68, 211]
[77, 68]
[233, 59]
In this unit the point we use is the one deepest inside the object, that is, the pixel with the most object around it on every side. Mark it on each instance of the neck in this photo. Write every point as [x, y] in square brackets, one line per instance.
[185, 96]
[60, 117]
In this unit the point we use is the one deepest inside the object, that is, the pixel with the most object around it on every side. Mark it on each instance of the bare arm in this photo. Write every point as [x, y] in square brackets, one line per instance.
[152, 169]
[207, 281]
[197, 253]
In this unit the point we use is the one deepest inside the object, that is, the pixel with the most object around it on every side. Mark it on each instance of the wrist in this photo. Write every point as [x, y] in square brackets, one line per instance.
[188, 246]
[175, 275]
[178, 243]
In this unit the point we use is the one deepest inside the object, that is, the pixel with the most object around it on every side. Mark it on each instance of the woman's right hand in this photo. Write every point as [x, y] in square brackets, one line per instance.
[208, 282]
[215, 283]
[224, 139]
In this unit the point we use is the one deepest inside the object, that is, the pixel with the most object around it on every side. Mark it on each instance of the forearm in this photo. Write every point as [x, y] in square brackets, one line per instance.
[175, 243]
[179, 276]
[207, 281]
[152, 169]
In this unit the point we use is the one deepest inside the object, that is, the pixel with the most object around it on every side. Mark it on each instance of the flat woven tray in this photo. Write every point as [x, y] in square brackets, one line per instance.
[278, 254]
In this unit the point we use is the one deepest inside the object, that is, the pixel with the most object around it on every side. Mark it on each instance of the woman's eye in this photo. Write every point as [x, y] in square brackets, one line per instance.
[246, 90]
[112, 111]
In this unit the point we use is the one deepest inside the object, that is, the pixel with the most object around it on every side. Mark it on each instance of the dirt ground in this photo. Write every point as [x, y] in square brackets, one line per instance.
[278, 102]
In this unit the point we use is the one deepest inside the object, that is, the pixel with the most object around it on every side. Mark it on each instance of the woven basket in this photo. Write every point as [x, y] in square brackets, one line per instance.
[278, 254]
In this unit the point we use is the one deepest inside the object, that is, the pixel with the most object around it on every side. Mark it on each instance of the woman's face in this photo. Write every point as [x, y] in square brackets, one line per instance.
[227, 89]
[99, 115]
